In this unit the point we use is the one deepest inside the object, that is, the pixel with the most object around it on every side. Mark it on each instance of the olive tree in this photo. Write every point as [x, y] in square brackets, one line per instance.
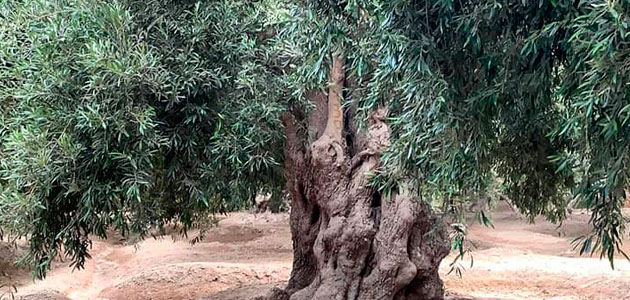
[377, 119]
[132, 114]
[419, 102]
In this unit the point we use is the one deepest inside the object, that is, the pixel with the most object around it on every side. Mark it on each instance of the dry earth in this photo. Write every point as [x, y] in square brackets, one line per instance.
[249, 254]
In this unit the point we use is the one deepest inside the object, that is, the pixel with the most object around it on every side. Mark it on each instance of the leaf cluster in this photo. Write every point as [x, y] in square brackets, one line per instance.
[132, 114]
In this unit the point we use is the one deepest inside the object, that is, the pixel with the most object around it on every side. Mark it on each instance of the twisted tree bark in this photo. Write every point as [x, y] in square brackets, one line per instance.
[348, 242]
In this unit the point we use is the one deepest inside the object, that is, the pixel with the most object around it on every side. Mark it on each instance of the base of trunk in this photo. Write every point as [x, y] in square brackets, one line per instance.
[396, 259]
[360, 258]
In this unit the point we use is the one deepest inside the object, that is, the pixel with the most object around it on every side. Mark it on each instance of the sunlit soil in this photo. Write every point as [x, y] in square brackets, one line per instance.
[249, 254]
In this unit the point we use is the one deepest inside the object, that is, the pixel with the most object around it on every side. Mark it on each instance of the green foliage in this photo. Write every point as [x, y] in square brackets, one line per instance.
[534, 92]
[132, 114]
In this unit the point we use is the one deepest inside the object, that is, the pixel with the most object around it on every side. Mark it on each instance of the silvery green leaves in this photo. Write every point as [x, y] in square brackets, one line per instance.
[132, 114]
[531, 95]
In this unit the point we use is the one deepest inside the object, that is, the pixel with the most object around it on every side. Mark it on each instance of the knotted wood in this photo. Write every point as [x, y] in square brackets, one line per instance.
[349, 242]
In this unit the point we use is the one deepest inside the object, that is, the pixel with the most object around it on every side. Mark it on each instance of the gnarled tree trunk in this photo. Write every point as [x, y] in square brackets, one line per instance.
[348, 243]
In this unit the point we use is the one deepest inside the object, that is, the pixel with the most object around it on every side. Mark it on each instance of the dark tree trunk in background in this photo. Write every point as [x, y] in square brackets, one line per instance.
[348, 243]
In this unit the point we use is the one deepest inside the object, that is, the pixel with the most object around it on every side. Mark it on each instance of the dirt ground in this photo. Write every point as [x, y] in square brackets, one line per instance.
[249, 254]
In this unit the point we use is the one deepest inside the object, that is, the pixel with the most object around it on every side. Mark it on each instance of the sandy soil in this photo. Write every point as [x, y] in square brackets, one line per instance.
[249, 254]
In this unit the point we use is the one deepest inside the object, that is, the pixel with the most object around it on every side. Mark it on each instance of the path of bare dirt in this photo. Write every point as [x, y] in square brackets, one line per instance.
[249, 254]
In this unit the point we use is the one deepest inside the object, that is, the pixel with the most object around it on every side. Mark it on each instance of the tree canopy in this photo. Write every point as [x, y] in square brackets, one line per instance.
[133, 114]
[532, 92]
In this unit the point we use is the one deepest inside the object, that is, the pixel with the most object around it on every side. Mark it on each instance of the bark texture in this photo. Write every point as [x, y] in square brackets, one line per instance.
[348, 242]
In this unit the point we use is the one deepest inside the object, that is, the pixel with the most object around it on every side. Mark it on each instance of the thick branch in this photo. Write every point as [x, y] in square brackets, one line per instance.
[334, 125]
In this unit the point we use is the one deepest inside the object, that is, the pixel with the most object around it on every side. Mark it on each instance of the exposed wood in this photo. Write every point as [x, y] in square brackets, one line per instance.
[334, 124]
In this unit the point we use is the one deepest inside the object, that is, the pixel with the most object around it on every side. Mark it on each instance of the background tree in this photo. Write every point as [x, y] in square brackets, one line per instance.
[130, 115]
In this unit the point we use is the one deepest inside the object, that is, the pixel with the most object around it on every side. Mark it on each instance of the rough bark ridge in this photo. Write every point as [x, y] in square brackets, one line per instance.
[348, 243]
